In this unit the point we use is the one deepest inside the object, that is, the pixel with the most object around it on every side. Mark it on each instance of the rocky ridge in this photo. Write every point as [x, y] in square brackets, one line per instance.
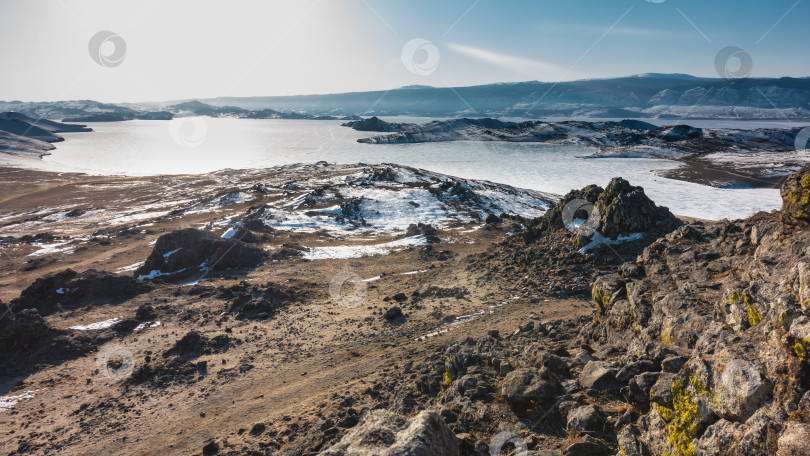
[698, 347]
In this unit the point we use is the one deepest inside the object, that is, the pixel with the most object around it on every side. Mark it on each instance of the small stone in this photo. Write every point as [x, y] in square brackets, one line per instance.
[493, 333]
[393, 313]
[258, 429]
[211, 447]
[672, 364]
[584, 419]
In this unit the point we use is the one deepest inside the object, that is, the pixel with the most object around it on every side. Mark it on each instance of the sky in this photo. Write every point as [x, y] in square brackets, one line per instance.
[159, 50]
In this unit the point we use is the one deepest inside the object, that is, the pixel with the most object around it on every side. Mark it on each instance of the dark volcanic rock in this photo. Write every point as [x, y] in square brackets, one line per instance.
[376, 124]
[69, 289]
[188, 252]
[620, 209]
[625, 209]
[22, 330]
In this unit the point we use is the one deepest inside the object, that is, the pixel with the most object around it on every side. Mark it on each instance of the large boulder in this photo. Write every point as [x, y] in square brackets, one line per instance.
[796, 198]
[625, 209]
[598, 375]
[69, 289]
[620, 209]
[523, 386]
[383, 433]
[21, 330]
[188, 252]
[795, 440]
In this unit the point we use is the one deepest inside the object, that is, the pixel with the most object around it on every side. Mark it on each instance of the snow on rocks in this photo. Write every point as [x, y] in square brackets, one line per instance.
[387, 199]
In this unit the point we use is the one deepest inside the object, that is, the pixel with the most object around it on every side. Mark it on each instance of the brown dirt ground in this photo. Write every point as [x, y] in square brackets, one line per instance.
[301, 358]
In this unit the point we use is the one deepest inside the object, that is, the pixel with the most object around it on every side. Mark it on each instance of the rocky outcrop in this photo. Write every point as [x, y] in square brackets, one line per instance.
[383, 433]
[732, 299]
[21, 330]
[625, 209]
[620, 209]
[69, 289]
[796, 198]
[376, 124]
[188, 252]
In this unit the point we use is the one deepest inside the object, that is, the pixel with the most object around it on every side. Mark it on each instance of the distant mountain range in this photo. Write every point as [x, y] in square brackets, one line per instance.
[641, 96]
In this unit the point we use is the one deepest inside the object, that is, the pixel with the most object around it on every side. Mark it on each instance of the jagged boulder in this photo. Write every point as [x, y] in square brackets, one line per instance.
[383, 433]
[188, 252]
[69, 289]
[625, 209]
[554, 218]
[620, 209]
[796, 198]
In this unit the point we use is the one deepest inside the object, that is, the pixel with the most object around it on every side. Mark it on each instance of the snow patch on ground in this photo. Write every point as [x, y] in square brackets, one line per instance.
[230, 233]
[156, 273]
[598, 240]
[131, 267]
[98, 325]
[343, 252]
[8, 402]
[147, 324]
[168, 254]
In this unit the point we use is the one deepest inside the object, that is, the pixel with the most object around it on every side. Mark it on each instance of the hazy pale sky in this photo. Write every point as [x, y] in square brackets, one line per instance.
[178, 49]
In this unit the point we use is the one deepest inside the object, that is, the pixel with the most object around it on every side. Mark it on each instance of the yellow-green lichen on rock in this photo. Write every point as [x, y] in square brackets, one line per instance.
[796, 198]
[447, 377]
[754, 316]
[687, 417]
[601, 298]
[740, 310]
[799, 350]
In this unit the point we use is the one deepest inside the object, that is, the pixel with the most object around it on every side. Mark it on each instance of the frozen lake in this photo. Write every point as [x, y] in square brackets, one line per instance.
[197, 145]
